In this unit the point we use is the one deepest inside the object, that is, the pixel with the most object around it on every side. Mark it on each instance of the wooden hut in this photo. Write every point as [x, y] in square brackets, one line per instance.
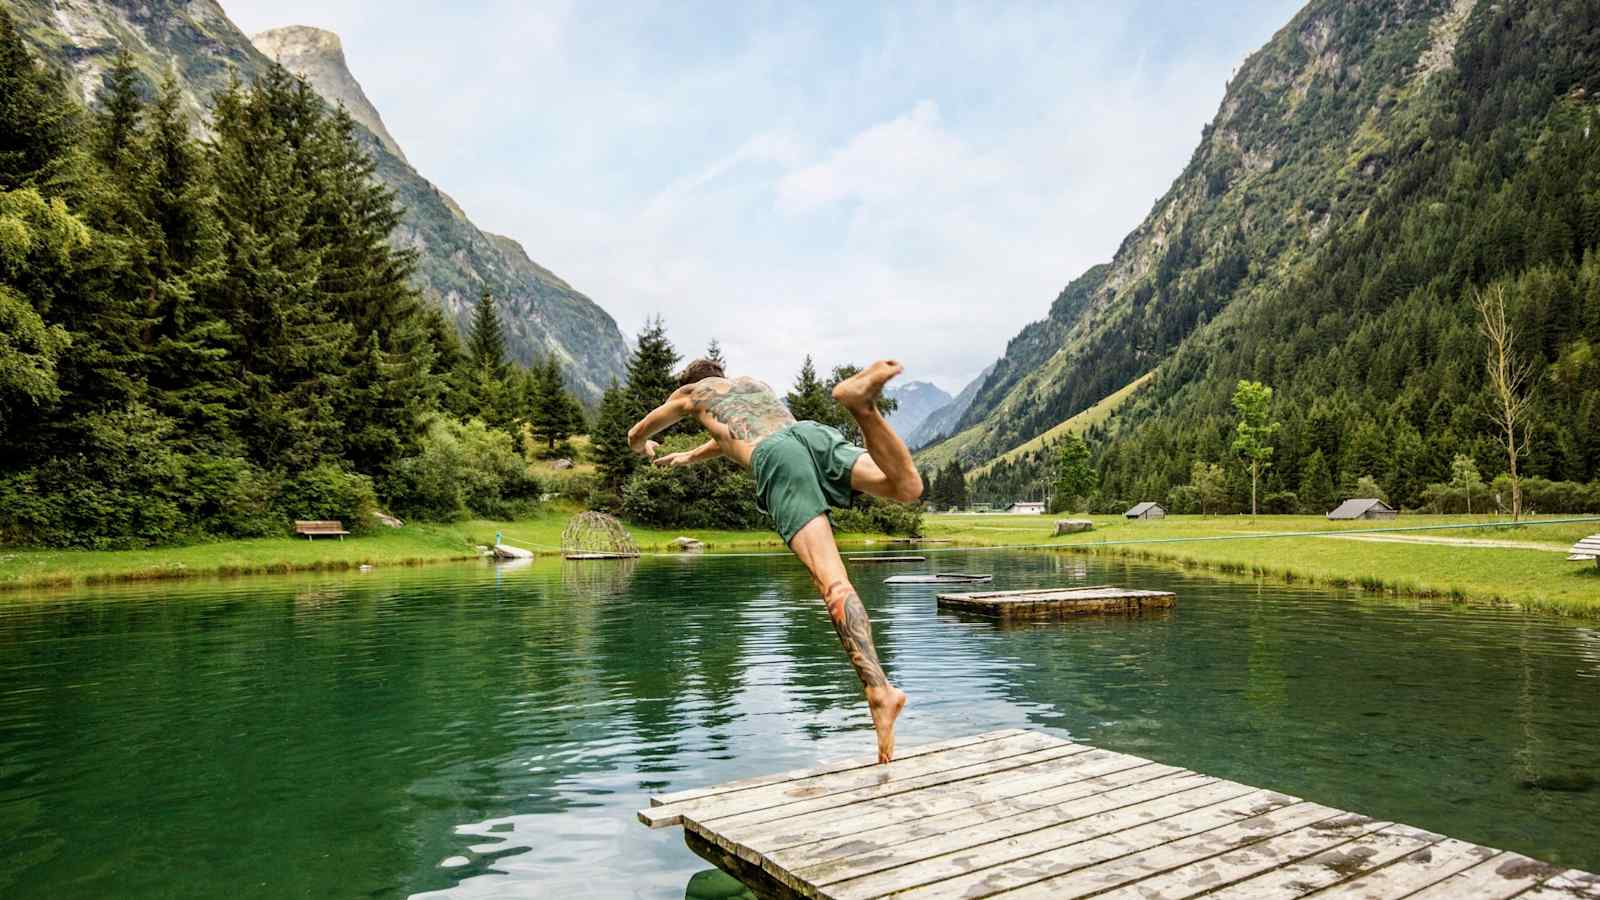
[1147, 510]
[1366, 508]
[1027, 508]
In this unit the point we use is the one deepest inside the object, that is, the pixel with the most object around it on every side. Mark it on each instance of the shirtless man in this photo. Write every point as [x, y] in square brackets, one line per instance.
[801, 469]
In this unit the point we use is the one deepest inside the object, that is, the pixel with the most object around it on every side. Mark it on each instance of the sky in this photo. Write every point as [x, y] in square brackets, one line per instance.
[850, 181]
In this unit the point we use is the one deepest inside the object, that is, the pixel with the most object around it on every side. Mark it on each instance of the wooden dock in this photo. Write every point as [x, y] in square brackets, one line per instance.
[885, 559]
[1051, 603]
[1030, 815]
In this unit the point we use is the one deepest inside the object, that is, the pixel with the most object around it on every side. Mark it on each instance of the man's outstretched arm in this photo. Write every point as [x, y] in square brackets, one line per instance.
[659, 419]
[708, 450]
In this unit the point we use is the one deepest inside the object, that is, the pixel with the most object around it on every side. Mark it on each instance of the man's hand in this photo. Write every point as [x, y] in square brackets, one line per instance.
[648, 451]
[683, 458]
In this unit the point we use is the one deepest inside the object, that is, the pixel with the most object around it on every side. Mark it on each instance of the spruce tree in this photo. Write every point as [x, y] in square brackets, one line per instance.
[556, 416]
[486, 342]
[38, 124]
[614, 459]
[809, 398]
[714, 353]
[650, 369]
[289, 346]
[190, 378]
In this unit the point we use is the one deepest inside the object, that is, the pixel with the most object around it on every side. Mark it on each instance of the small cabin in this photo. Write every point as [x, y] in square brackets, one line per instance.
[1366, 508]
[1027, 508]
[1149, 510]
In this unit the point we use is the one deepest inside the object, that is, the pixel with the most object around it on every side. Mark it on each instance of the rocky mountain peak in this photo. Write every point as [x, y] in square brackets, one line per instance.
[318, 56]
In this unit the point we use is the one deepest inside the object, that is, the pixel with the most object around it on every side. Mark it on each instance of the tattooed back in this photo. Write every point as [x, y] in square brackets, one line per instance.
[739, 413]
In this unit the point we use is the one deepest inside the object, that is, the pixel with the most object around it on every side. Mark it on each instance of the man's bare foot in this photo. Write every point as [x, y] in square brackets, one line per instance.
[886, 703]
[861, 390]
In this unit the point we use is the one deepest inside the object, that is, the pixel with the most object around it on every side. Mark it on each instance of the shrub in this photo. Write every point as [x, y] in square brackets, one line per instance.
[226, 496]
[715, 494]
[874, 515]
[462, 469]
[326, 491]
[122, 491]
[1280, 503]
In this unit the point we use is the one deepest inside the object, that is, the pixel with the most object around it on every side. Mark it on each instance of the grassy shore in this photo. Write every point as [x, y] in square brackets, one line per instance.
[1525, 565]
[415, 544]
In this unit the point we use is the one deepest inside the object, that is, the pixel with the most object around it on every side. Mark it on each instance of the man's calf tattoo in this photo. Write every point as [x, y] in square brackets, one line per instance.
[855, 633]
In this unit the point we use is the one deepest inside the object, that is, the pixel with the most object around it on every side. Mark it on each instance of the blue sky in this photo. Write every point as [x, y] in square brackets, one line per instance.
[908, 180]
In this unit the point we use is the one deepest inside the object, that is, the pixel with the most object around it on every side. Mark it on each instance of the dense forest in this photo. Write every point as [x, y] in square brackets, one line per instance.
[214, 337]
[1487, 180]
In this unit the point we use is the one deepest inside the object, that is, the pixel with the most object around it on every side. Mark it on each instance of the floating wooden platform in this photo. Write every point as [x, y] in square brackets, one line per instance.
[1030, 815]
[597, 554]
[1051, 603]
[885, 559]
[937, 578]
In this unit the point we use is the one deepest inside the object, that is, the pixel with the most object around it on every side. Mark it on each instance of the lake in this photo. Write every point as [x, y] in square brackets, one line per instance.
[468, 731]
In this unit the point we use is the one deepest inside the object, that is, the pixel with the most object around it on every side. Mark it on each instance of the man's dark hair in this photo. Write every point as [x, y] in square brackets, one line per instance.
[699, 370]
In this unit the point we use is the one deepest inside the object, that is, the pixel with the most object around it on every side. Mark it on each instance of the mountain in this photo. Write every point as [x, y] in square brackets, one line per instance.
[457, 261]
[941, 421]
[1371, 171]
[916, 400]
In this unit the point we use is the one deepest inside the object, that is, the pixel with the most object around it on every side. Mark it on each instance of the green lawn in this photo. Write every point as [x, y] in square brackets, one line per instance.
[414, 544]
[1530, 577]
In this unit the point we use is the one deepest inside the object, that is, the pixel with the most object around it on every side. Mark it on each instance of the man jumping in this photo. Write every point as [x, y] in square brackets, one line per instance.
[801, 469]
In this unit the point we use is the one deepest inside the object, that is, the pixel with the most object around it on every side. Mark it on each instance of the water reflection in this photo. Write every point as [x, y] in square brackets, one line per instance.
[479, 730]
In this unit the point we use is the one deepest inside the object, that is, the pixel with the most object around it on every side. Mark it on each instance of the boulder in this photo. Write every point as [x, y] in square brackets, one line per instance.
[561, 464]
[687, 545]
[1073, 526]
[389, 520]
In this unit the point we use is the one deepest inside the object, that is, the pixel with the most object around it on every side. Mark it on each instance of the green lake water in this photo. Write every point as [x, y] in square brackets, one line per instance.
[467, 731]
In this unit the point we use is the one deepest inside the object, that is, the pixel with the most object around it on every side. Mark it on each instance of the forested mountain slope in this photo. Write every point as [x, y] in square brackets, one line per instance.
[543, 315]
[1369, 169]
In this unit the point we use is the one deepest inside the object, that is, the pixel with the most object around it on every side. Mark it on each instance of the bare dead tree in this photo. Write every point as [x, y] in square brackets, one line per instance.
[1510, 382]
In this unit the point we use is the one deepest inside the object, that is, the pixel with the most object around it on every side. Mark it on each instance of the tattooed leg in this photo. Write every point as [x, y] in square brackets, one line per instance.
[815, 547]
[855, 632]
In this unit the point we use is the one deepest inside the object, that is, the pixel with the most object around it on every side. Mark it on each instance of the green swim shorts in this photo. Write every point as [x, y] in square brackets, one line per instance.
[800, 472]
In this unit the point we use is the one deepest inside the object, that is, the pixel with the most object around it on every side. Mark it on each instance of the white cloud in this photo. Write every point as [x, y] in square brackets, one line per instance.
[847, 181]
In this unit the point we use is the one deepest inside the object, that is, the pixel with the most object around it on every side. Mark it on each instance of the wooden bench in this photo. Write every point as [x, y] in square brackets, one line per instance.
[313, 528]
[1588, 548]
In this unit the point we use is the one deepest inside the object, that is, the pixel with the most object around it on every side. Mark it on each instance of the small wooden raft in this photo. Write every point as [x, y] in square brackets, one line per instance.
[936, 578]
[1050, 603]
[1030, 815]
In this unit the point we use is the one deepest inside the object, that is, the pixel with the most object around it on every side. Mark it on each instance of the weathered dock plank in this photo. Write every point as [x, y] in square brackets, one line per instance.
[1050, 603]
[1030, 815]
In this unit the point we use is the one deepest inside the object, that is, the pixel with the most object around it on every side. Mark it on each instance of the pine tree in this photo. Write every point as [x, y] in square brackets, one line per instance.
[486, 342]
[290, 347]
[614, 459]
[38, 124]
[555, 414]
[650, 369]
[809, 398]
[714, 353]
[1316, 484]
[190, 378]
